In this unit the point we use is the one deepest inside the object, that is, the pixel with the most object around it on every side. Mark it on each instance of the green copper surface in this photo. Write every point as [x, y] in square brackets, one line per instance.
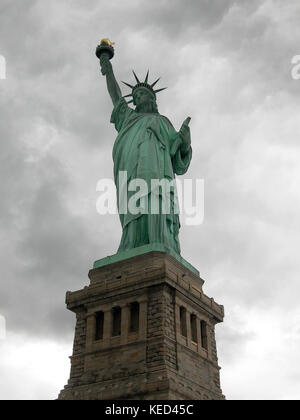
[147, 147]
[120, 256]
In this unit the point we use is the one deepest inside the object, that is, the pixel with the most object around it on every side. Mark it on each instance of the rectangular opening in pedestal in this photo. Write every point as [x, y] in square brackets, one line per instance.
[134, 317]
[183, 328]
[203, 329]
[99, 326]
[194, 336]
[116, 321]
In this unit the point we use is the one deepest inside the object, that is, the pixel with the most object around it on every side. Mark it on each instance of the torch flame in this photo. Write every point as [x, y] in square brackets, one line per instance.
[107, 42]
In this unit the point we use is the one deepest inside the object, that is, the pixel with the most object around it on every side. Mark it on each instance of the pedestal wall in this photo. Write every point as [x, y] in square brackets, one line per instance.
[166, 349]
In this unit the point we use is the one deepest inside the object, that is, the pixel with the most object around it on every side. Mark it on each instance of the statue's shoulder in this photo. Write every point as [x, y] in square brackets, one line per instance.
[166, 120]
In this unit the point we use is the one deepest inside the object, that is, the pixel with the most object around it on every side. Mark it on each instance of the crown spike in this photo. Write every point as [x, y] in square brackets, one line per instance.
[129, 102]
[127, 84]
[159, 90]
[153, 84]
[136, 78]
[147, 75]
[126, 96]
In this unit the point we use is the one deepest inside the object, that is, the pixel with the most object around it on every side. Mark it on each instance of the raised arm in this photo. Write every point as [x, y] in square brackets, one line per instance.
[112, 85]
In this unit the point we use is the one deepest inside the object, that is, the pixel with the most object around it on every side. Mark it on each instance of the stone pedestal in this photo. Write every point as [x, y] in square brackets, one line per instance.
[145, 330]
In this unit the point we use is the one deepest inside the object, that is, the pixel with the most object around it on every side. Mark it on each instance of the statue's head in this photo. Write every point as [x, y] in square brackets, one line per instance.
[144, 100]
[143, 95]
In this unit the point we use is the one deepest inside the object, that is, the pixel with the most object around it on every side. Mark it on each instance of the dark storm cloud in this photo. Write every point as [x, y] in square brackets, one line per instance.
[53, 251]
[46, 249]
[179, 20]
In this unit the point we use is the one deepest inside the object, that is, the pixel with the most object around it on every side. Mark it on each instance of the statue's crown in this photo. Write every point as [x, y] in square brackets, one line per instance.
[144, 84]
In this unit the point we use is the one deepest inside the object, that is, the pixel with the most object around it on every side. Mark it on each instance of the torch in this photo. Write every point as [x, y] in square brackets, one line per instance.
[105, 47]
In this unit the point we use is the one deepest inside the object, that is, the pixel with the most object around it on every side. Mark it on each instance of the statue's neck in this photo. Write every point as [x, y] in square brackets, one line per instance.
[144, 108]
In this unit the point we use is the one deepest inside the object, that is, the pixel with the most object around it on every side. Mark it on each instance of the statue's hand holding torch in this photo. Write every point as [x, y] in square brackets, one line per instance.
[105, 52]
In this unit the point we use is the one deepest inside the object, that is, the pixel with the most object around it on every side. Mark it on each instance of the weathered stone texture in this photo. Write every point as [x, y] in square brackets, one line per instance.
[155, 362]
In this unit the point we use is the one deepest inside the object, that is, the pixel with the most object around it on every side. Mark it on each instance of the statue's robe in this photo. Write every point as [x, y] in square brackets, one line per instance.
[147, 147]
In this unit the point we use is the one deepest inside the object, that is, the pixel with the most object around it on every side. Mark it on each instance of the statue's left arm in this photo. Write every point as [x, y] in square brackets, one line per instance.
[185, 136]
[181, 150]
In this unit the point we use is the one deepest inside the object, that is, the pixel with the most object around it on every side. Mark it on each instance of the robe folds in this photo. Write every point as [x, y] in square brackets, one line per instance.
[147, 147]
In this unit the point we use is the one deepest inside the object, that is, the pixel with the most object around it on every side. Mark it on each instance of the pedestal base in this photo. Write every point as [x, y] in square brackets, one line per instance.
[144, 330]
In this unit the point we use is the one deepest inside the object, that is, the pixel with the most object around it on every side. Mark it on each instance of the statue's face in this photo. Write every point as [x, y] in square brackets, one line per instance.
[142, 96]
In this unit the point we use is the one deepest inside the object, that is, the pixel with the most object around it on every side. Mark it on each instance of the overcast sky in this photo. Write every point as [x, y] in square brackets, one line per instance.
[227, 64]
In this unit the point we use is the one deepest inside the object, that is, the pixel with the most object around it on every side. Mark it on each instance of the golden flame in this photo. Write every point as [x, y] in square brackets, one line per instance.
[107, 42]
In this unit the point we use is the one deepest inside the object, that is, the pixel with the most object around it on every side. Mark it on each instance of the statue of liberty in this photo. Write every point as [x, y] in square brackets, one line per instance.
[149, 148]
